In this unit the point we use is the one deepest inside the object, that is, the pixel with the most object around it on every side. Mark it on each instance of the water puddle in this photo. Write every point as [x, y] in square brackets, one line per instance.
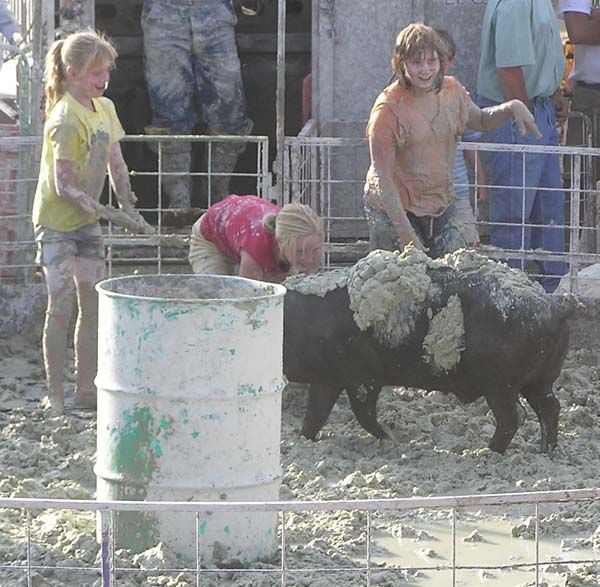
[485, 544]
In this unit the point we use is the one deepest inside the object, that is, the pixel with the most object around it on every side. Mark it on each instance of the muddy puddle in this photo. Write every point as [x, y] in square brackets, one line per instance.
[497, 557]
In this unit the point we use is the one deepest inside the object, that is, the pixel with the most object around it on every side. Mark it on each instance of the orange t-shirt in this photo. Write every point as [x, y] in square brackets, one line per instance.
[423, 167]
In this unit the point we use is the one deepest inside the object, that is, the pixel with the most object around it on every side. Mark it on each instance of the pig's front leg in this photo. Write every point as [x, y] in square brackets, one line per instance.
[321, 399]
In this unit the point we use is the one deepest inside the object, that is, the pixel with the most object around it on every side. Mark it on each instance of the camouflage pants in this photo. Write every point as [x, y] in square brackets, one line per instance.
[190, 54]
[440, 234]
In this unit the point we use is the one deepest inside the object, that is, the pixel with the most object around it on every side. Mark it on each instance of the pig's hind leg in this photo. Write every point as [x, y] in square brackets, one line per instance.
[546, 407]
[504, 407]
[321, 399]
[363, 401]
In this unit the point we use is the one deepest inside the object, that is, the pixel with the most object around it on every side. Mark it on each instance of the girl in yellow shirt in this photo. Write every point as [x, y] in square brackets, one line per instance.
[81, 137]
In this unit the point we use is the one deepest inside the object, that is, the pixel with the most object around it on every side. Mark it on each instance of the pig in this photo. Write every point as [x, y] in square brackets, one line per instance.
[464, 325]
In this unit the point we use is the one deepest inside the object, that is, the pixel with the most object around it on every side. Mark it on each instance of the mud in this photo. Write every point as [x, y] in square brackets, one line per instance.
[319, 284]
[445, 340]
[387, 291]
[437, 451]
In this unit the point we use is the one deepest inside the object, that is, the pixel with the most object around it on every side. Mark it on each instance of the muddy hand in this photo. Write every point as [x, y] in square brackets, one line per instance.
[130, 220]
[524, 119]
[142, 227]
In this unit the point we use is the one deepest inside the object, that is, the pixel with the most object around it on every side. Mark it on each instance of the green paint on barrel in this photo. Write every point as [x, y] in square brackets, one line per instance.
[246, 389]
[136, 447]
[132, 454]
[171, 313]
[131, 308]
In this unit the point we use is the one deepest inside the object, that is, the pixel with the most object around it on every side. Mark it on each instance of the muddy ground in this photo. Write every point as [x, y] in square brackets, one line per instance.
[440, 449]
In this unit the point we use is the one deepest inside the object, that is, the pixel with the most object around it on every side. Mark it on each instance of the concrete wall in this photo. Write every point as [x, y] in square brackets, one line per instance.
[353, 42]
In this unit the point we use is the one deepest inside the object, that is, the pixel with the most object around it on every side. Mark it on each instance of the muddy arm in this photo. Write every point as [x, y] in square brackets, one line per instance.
[66, 187]
[119, 177]
[383, 161]
[492, 117]
[128, 216]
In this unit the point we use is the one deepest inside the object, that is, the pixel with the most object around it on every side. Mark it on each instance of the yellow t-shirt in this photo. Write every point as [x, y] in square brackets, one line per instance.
[74, 133]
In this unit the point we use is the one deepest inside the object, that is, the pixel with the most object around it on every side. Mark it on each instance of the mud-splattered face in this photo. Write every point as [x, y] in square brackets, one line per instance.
[89, 83]
[306, 255]
[422, 70]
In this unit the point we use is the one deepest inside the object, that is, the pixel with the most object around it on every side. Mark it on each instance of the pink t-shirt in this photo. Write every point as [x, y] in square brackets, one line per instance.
[236, 223]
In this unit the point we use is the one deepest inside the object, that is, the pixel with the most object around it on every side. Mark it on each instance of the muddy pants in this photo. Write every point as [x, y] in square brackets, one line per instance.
[440, 234]
[205, 258]
[190, 51]
[73, 262]
[190, 58]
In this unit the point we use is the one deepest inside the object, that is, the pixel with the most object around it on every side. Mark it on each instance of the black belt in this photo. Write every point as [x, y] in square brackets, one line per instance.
[589, 85]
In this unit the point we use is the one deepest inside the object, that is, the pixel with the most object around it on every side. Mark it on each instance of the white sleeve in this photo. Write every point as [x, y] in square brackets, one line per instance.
[583, 6]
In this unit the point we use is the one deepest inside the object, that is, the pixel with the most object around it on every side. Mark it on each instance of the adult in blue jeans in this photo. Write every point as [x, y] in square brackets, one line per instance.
[191, 61]
[522, 58]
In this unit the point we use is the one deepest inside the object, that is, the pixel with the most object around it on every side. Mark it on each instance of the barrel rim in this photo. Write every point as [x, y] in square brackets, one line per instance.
[278, 289]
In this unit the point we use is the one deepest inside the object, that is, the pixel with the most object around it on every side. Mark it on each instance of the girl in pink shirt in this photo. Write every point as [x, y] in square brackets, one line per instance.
[264, 240]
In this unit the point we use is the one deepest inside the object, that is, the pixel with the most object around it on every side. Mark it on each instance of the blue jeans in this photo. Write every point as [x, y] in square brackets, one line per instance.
[540, 203]
[190, 54]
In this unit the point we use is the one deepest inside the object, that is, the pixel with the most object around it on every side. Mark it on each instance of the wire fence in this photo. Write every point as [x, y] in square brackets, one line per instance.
[328, 173]
[19, 167]
[284, 566]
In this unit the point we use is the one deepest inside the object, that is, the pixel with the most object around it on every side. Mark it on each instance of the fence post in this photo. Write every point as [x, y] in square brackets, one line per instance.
[105, 549]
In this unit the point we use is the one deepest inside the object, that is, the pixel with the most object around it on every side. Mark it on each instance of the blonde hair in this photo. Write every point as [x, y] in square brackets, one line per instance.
[80, 50]
[292, 222]
[413, 41]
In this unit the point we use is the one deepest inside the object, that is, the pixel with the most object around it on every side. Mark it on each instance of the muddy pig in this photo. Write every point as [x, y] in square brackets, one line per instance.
[464, 325]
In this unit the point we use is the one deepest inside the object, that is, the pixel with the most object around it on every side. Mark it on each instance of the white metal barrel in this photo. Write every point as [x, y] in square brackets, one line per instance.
[189, 409]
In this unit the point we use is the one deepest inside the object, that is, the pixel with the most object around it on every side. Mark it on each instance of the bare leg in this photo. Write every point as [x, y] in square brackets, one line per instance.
[546, 407]
[363, 401]
[504, 408]
[321, 399]
[59, 285]
[88, 271]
